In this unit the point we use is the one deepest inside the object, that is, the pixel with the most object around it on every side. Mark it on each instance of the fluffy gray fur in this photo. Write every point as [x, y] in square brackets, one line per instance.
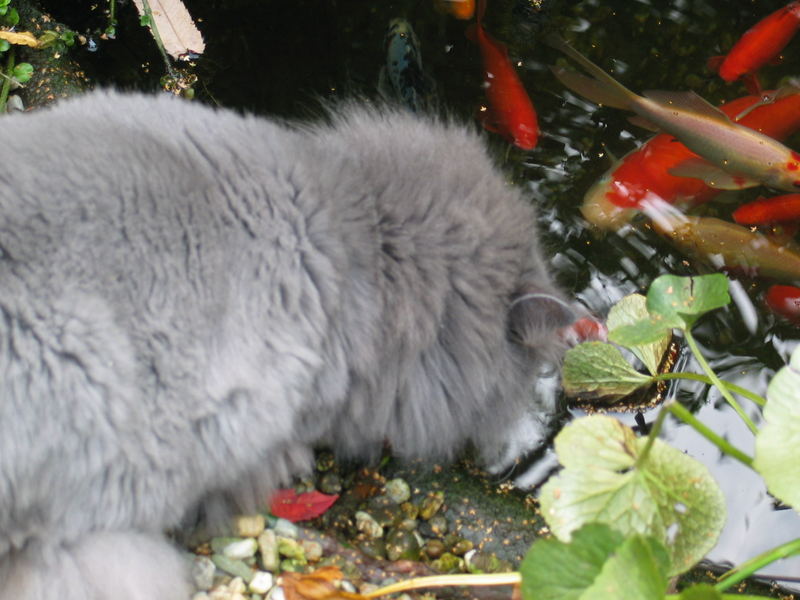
[191, 299]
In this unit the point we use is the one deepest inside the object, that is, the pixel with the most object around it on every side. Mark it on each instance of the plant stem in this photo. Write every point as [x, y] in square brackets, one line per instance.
[752, 396]
[681, 412]
[716, 381]
[655, 430]
[157, 37]
[747, 568]
[513, 578]
[7, 81]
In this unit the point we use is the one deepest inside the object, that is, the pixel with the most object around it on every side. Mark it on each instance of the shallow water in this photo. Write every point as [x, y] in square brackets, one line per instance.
[276, 58]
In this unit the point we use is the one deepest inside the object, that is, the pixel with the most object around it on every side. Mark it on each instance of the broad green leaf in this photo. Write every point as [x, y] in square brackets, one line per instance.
[671, 496]
[630, 310]
[701, 591]
[778, 442]
[598, 369]
[597, 563]
[687, 297]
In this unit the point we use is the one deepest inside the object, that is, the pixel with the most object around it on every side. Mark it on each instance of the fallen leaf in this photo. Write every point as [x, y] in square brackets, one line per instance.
[20, 38]
[319, 585]
[175, 26]
[290, 505]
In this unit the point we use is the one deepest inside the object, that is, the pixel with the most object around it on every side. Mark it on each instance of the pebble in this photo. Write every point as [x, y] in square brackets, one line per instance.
[312, 550]
[284, 528]
[249, 526]
[291, 548]
[367, 525]
[237, 568]
[398, 490]
[330, 483]
[268, 550]
[261, 582]
[233, 590]
[402, 544]
[431, 505]
[241, 549]
[202, 571]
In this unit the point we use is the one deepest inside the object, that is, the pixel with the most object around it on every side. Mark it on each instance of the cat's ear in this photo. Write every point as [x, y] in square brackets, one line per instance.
[535, 316]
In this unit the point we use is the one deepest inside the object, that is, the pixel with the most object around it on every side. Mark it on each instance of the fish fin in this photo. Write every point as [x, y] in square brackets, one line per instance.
[591, 89]
[752, 84]
[714, 63]
[711, 174]
[623, 97]
[643, 123]
[689, 101]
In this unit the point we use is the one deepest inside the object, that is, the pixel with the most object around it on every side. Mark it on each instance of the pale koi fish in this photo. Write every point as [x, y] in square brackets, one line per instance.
[731, 156]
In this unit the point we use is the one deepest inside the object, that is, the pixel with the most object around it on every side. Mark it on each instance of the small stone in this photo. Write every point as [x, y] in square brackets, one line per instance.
[398, 490]
[448, 563]
[431, 505]
[373, 547]
[401, 544]
[325, 461]
[268, 550]
[330, 483]
[241, 549]
[312, 550]
[293, 565]
[408, 524]
[409, 510]
[201, 596]
[367, 525]
[438, 524]
[461, 547]
[284, 528]
[261, 582]
[218, 544]
[434, 548]
[237, 568]
[277, 593]
[291, 549]
[249, 526]
[202, 571]
[233, 590]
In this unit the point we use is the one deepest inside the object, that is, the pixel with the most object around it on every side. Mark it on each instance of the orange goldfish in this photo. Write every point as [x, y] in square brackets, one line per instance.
[511, 112]
[759, 45]
[460, 9]
[769, 210]
[733, 156]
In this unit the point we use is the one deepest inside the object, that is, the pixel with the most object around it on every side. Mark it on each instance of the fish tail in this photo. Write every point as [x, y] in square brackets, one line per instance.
[481, 10]
[601, 89]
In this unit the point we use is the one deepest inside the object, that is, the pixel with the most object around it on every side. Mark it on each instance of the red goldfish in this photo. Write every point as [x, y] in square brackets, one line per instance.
[511, 112]
[785, 301]
[460, 9]
[759, 45]
[769, 210]
[645, 173]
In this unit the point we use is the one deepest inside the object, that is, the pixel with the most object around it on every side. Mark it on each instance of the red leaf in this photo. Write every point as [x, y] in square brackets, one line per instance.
[290, 505]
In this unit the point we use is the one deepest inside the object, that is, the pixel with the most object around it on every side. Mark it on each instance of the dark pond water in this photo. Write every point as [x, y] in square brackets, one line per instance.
[277, 57]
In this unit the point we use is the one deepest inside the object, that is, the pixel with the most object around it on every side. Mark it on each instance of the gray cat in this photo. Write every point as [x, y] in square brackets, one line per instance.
[191, 299]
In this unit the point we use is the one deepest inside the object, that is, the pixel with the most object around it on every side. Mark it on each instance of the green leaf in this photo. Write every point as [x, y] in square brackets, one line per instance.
[4, 45]
[630, 310]
[598, 563]
[687, 298]
[597, 369]
[778, 442]
[11, 18]
[22, 72]
[670, 496]
[644, 332]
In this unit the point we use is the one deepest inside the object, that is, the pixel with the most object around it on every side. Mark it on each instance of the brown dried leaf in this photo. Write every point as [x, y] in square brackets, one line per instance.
[319, 585]
[175, 27]
[20, 38]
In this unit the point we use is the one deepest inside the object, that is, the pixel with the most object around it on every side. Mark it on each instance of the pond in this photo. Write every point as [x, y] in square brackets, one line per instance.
[279, 58]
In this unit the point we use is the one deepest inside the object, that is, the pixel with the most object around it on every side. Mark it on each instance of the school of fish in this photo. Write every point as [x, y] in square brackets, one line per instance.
[699, 149]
